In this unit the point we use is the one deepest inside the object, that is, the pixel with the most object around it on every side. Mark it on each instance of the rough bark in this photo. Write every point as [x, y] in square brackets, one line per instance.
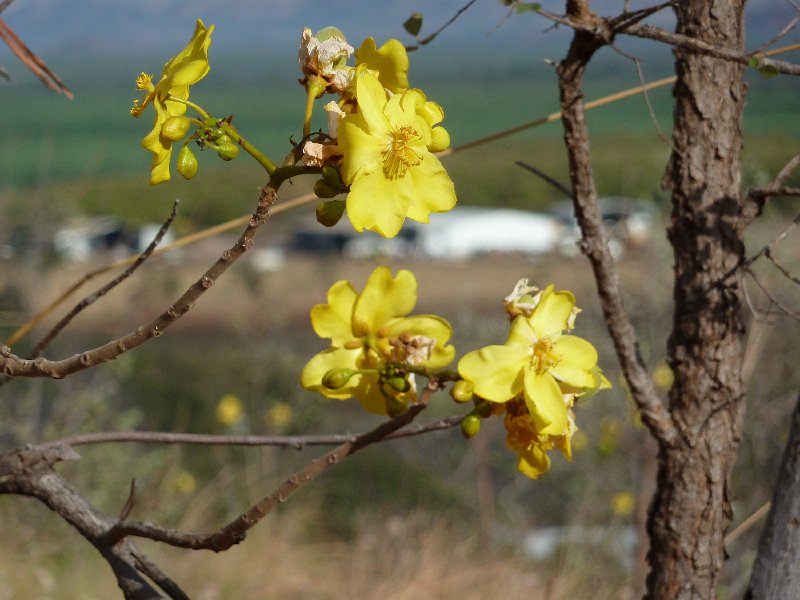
[776, 572]
[691, 509]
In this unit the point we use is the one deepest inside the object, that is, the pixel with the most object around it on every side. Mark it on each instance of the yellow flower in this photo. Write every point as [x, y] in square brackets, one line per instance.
[186, 69]
[539, 361]
[370, 332]
[387, 162]
[530, 444]
[390, 61]
[279, 415]
[229, 410]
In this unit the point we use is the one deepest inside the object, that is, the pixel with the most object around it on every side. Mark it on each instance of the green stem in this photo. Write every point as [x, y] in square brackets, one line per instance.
[200, 110]
[316, 85]
[261, 159]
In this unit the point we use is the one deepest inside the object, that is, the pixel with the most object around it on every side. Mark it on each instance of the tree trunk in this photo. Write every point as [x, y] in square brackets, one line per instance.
[691, 508]
[776, 572]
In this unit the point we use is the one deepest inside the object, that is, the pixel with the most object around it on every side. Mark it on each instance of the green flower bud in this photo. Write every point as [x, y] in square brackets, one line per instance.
[329, 32]
[332, 176]
[187, 163]
[226, 148]
[461, 391]
[336, 379]
[400, 384]
[483, 408]
[470, 426]
[329, 213]
[323, 189]
[175, 128]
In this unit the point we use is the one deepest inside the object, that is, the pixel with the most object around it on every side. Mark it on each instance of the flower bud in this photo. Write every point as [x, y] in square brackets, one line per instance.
[461, 391]
[329, 213]
[483, 408]
[187, 163]
[400, 384]
[470, 426]
[226, 148]
[323, 189]
[332, 176]
[175, 128]
[336, 379]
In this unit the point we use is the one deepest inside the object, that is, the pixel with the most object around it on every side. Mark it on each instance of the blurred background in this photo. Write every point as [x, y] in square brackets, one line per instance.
[434, 516]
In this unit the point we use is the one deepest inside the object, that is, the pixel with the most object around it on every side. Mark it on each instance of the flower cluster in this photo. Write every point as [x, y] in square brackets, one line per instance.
[381, 134]
[537, 375]
[375, 347]
[169, 99]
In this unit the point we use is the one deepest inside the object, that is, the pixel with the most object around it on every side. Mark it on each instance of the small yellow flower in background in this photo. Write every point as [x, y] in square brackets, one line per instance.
[185, 483]
[229, 410]
[279, 415]
[370, 332]
[539, 361]
[186, 69]
[623, 504]
[387, 160]
[663, 376]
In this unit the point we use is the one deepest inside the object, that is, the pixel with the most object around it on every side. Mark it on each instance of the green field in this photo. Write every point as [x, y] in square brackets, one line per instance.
[85, 154]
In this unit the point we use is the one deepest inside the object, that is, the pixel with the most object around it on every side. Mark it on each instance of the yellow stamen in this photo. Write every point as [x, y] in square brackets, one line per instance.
[145, 82]
[543, 358]
[399, 155]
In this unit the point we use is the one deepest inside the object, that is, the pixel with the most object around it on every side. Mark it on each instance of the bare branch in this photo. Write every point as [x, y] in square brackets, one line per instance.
[235, 531]
[594, 243]
[777, 303]
[607, 28]
[29, 472]
[92, 298]
[431, 37]
[758, 197]
[297, 442]
[14, 366]
[542, 175]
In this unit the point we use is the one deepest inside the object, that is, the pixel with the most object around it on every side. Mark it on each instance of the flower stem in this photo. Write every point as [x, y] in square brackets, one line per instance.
[261, 159]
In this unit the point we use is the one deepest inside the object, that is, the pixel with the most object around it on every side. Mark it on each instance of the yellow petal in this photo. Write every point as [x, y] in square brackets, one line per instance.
[361, 151]
[379, 204]
[191, 64]
[533, 462]
[433, 189]
[551, 315]
[384, 298]
[390, 60]
[578, 359]
[371, 99]
[496, 372]
[545, 403]
[320, 364]
[333, 320]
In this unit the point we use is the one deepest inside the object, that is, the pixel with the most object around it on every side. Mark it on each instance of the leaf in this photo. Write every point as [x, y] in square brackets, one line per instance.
[524, 7]
[753, 62]
[413, 24]
[768, 71]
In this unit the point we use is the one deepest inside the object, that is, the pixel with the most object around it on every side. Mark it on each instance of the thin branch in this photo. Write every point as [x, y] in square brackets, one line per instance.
[92, 298]
[777, 303]
[542, 175]
[764, 250]
[35, 64]
[5, 4]
[279, 207]
[298, 442]
[431, 37]
[607, 28]
[758, 197]
[14, 366]
[235, 531]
